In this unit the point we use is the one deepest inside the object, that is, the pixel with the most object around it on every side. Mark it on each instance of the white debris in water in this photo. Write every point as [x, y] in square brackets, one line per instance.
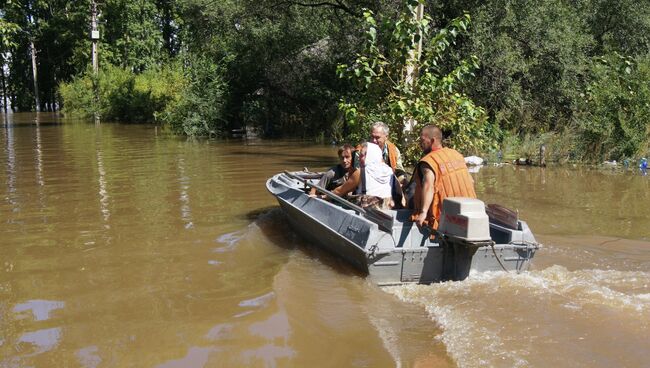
[230, 240]
[259, 301]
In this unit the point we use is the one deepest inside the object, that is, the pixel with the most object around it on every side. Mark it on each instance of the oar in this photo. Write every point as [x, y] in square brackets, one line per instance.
[383, 220]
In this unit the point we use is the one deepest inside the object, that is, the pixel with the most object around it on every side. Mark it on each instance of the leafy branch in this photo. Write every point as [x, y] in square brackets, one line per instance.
[393, 85]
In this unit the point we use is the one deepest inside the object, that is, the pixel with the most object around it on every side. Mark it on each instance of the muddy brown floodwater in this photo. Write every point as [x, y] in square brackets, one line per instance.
[121, 246]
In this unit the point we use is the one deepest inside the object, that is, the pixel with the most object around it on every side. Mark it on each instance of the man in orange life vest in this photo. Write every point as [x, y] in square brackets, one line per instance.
[441, 173]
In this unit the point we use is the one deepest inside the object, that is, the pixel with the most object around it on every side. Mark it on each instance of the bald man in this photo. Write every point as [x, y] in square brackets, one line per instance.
[440, 173]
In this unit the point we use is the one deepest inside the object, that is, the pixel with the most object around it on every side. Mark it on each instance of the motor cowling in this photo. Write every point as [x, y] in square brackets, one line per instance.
[464, 227]
[464, 218]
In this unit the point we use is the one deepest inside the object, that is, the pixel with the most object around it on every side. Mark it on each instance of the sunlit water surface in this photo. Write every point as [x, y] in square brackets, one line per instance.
[125, 247]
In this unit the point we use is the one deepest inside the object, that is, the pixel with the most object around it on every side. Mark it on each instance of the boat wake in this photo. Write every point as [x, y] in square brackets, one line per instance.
[539, 318]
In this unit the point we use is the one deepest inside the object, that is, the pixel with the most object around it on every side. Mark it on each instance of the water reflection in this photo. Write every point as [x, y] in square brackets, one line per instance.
[269, 354]
[42, 340]
[259, 301]
[196, 357]
[88, 357]
[276, 326]
[103, 191]
[39, 158]
[220, 331]
[10, 152]
[40, 309]
[230, 240]
[40, 179]
[184, 180]
[474, 169]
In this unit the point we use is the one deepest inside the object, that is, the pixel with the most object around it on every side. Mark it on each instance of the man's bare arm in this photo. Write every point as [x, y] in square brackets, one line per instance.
[427, 193]
[349, 185]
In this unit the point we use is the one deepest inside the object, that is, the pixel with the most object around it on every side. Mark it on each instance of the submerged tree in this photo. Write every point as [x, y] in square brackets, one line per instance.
[7, 42]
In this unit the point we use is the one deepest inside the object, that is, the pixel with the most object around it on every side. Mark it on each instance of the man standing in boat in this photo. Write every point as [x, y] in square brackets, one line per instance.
[441, 173]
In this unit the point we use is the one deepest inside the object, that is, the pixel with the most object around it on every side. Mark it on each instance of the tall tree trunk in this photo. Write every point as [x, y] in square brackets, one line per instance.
[165, 7]
[52, 96]
[35, 75]
[412, 66]
[33, 26]
[4, 83]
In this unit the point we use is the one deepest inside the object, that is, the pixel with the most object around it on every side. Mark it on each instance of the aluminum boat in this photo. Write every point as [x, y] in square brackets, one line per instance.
[390, 249]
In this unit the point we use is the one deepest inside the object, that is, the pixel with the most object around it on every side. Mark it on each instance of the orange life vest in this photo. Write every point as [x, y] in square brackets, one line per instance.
[392, 155]
[452, 180]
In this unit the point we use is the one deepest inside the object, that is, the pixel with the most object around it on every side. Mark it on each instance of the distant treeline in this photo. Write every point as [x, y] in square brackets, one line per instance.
[569, 74]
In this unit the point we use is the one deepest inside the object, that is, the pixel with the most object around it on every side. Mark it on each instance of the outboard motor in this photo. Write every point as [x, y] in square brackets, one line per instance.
[464, 227]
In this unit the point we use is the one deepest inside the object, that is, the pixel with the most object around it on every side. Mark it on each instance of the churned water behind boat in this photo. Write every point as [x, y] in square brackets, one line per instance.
[551, 317]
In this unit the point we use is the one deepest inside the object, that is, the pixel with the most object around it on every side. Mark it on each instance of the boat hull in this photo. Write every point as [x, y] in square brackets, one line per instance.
[404, 253]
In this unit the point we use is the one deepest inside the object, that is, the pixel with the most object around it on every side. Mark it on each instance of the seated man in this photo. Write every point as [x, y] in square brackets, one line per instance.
[374, 186]
[340, 173]
[390, 153]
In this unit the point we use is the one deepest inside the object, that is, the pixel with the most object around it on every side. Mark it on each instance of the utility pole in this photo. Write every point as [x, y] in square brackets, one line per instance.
[94, 37]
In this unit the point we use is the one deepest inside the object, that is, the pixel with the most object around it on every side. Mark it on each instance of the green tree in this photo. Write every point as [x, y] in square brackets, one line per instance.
[618, 25]
[123, 95]
[198, 108]
[56, 30]
[614, 116]
[132, 36]
[8, 32]
[281, 57]
[433, 94]
[534, 55]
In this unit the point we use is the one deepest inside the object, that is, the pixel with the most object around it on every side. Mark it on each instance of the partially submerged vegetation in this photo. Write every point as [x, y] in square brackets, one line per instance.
[500, 74]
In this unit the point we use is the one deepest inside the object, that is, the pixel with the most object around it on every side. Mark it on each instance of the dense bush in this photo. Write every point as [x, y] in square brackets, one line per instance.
[198, 107]
[613, 120]
[123, 95]
[560, 147]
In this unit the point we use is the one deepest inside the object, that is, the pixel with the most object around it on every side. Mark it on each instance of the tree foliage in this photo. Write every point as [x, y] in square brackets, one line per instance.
[524, 68]
[122, 95]
[394, 85]
[533, 60]
[614, 113]
[199, 103]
